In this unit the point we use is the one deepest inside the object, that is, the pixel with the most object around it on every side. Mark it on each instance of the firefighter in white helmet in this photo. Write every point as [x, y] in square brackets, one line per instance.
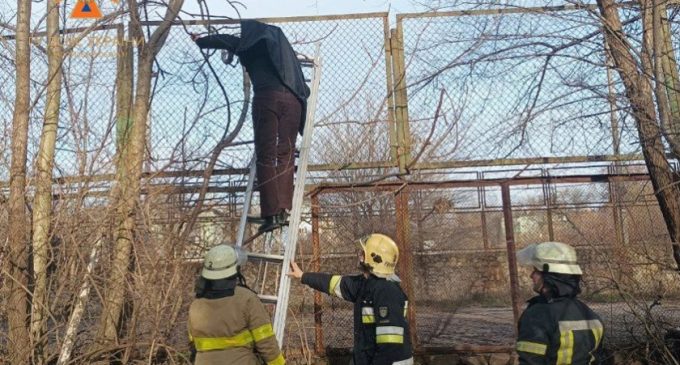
[557, 328]
[228, 324]
[381, 334]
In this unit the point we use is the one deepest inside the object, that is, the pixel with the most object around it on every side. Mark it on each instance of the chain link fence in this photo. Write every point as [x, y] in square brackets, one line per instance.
[462, 292]
[515, 86]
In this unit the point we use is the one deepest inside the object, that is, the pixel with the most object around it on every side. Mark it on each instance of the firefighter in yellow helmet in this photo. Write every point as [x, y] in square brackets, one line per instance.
[381, 335]
[228, 324]
[557, 328]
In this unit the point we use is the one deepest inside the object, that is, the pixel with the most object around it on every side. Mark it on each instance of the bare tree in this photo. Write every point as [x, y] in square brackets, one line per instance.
[129, 166]
[16, 274]
[640, 94]
[42, 203]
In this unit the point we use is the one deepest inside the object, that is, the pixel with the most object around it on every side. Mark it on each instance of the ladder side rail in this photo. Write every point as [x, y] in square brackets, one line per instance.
[246, 203]
[291, 233]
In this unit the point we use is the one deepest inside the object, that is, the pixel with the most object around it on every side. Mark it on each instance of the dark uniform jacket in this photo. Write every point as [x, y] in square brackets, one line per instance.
[381, 335]
[559, 331]
[264, 50]
[233, 330]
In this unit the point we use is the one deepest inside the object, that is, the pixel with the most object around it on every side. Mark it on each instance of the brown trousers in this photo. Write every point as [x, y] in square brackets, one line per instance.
[276, 117]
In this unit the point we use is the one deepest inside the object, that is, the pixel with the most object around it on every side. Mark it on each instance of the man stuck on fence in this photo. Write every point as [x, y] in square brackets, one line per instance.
[381, 334]
[557, 328]
[279, 109]
[228, 324]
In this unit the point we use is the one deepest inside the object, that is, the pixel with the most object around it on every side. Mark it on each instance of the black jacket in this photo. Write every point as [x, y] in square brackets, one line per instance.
[561, 330]
[381, 335]
[255, 34]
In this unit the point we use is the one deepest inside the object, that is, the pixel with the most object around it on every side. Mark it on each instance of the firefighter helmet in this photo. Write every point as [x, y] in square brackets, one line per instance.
[222, 261]
[553, 257]
[380, 254]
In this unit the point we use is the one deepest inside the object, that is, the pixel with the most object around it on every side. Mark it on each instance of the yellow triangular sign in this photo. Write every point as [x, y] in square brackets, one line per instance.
[86, 9]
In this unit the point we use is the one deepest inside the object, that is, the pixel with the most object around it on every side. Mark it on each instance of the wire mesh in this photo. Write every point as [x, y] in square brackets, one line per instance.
[518, 84]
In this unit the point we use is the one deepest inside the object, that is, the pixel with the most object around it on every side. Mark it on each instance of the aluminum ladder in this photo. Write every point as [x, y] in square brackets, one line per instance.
[274, 250]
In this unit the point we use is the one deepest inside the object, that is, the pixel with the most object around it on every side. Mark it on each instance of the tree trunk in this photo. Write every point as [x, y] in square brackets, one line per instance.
[79, 308]
[652, 61]
[42, 205]
[670, 71]
[641, 97]
[16, 274]
[129, 172]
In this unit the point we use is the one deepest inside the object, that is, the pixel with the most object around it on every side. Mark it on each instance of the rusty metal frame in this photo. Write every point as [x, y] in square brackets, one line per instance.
[510, 161]
[401, 192]
[405, 263]
[398, 185]
[316, 266]
[512, 258]
[289, 19]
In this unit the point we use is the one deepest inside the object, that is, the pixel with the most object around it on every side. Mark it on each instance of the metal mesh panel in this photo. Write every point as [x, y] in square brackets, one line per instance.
[518, 85]
[351, 124]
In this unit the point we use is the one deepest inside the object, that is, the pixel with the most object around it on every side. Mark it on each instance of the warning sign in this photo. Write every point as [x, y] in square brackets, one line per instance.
[86, 9]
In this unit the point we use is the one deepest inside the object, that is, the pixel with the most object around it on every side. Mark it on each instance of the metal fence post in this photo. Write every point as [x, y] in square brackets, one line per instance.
[512, 259]
[392, 128]
[616, 191]
[481, 195]
[405, 264]
[401, 98]
[547, 196]
[316, 267]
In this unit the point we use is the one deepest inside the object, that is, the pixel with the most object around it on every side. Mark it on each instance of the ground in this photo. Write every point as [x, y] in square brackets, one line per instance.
[490, 326]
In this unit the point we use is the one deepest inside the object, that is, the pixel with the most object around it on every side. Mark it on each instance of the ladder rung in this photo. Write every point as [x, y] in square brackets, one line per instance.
[265, 257]
[240, 143]
[269, 299]
[256, 220]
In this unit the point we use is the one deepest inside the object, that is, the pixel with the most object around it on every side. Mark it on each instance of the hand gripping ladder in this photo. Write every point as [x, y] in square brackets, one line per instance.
[277, 248]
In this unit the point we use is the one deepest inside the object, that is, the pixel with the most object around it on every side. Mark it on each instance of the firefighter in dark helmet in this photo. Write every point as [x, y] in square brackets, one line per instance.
[228, 324]
[556, 328]
[381, 334]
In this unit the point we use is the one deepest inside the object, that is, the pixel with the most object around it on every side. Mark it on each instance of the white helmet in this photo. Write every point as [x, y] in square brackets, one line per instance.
[554, 257]
[222, 261]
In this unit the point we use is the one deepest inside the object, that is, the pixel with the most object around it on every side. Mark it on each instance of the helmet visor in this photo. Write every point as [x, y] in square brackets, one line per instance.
[527, 256]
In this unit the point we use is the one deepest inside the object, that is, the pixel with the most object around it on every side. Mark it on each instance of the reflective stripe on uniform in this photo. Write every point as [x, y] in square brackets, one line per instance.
[597, 333]
[279, 360]
[389, 339]
[389, 330]
[334, 286]
[580, 325]
[567, 328]
[242, 339]
[263, 332]
[367, 315]
[389, 334]
[408, 361]
[535, 348]
[566, 350]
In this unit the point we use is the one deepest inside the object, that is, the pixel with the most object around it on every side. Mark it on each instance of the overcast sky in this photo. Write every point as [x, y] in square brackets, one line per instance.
[276, 8]
[286, 8]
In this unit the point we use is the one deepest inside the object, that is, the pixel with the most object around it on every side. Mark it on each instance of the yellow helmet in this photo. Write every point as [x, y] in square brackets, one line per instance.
[380, 254]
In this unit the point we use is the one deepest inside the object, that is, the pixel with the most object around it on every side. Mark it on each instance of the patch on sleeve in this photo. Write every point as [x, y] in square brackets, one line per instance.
[382, 311]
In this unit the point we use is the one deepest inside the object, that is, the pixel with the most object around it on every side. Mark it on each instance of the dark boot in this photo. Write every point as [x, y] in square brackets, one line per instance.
[282, 218]
[270, 224]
